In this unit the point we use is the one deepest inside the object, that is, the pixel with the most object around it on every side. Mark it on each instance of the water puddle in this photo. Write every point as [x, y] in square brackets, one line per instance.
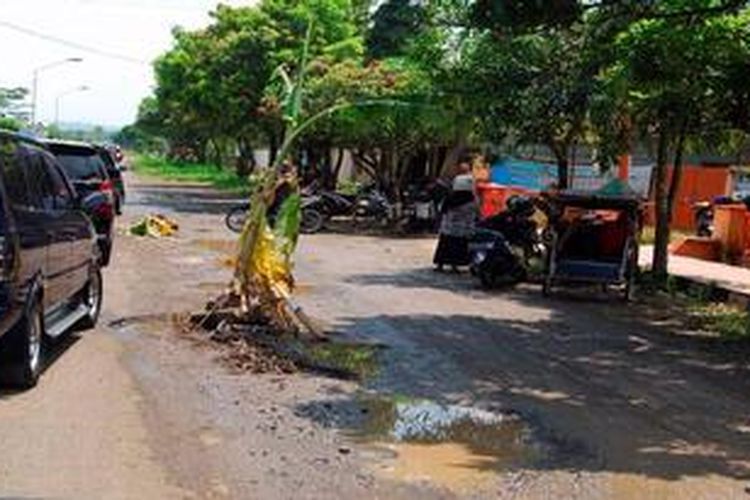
[458, 448]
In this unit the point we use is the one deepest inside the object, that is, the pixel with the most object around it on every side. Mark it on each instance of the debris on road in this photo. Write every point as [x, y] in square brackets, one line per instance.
[254, 344]
[156, 226]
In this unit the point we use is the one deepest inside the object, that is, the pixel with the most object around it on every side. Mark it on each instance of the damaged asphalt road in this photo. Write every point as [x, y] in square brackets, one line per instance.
[475, 394]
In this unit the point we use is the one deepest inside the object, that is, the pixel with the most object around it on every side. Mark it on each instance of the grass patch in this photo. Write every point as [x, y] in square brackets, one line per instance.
[727, 321]
[220, 178]
[359, 360]
[699, 307]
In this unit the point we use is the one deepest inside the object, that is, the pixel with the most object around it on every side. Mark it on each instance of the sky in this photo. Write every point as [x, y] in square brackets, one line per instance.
[126, 35]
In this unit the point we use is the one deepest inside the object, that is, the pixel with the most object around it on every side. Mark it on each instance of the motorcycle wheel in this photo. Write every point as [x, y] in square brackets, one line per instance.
[235, 219]
[487, 278]
[312, 221]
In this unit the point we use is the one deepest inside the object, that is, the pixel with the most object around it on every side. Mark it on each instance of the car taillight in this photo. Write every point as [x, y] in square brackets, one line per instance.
[106, 186]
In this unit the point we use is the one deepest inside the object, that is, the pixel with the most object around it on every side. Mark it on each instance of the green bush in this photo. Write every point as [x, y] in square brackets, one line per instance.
[191, 172]
[8, 123]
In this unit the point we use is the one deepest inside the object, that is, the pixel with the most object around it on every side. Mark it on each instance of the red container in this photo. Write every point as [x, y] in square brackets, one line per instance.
[494, 197]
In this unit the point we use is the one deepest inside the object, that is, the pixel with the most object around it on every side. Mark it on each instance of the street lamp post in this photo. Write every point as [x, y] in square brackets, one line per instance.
[35, 86]
[82, 88]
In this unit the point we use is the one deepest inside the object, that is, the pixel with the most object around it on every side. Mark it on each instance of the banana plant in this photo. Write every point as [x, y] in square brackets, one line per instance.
[263, 274]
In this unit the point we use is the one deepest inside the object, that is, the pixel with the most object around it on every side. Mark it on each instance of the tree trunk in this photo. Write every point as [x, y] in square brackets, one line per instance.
[661, 242]
[563, 172]
[677, 169]
[246, 158]
[337, 170]
[453, 155]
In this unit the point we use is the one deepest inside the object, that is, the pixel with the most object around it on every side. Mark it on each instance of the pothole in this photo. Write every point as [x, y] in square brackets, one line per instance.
[455, 447]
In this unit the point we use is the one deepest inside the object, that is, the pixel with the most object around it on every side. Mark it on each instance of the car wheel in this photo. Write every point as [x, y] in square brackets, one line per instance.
[92, 299]
[22, 349]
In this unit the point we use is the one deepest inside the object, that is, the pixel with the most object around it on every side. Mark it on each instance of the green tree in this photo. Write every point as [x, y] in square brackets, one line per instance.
[11, 102]
[394, 25]
[533, 88]
[678, 77]
[9, 123]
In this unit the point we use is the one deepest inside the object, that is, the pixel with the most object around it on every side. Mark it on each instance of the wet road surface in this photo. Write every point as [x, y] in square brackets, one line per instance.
[477, 394]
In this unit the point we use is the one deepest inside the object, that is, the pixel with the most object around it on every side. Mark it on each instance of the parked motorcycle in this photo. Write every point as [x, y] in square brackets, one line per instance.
[369, 203]
[312, 220]
[704, 212]
[236, 217]
[419, 211]
[505, 246]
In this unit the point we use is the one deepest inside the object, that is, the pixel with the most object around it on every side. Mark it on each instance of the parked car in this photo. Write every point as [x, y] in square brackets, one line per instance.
[50, 279]
[87, 170]
[115, 174]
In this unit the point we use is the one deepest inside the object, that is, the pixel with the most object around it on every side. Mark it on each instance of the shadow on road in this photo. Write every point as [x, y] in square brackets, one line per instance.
[189, 198]
[52, 353]
[594, 378]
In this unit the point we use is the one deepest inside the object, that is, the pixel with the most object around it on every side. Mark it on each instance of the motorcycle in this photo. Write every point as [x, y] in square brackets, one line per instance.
[419, 210]
[312, 220]
[506, 246]
[704, 212]
[368, 204]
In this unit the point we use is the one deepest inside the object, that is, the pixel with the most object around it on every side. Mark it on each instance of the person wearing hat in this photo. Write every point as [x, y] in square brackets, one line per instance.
[458, 216]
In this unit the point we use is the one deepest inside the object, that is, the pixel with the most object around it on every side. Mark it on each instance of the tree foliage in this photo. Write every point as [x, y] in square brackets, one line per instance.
[459, 73]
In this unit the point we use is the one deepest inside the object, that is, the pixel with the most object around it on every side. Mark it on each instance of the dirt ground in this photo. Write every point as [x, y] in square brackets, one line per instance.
[477, 395]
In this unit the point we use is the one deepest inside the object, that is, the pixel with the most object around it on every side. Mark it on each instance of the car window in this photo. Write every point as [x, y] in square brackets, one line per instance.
[63, 197]
[41, 188]
[83, 166]
[110, 164]
[12, 164]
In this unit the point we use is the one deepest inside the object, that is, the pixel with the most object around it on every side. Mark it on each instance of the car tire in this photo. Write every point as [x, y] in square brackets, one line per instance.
[22, 347]
[91, 298]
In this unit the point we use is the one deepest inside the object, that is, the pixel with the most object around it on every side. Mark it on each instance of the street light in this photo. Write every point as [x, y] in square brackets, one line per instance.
[82, 88]
[35, 86]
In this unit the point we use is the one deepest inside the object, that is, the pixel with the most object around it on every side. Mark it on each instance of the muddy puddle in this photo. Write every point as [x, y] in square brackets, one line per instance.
[458, 448]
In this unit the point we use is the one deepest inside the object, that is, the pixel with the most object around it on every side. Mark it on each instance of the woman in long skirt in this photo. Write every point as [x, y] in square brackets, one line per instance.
[459, 214]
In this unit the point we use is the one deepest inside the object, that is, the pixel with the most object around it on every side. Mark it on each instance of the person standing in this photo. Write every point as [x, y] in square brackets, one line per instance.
[458, 217]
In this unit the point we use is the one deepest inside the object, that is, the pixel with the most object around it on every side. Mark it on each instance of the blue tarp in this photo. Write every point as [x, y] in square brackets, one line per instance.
[532, 175]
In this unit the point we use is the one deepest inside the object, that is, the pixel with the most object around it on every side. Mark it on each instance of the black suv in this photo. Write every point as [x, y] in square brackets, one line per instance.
[87, 170]
[50, 279]
[115, 175]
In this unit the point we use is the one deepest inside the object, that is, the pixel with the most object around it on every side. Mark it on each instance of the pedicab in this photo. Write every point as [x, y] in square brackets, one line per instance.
[592, 238]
